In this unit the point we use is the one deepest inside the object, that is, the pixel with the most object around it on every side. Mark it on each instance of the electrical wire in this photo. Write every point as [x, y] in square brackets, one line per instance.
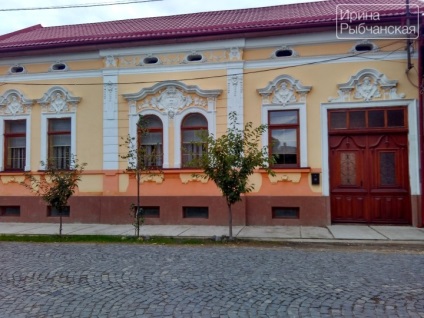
[82, 5]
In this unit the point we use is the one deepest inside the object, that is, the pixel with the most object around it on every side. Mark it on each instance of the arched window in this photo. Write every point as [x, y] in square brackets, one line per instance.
[191, 126]
[151, 141]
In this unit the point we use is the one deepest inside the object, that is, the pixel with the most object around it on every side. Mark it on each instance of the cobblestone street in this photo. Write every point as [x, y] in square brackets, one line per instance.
[114, 280]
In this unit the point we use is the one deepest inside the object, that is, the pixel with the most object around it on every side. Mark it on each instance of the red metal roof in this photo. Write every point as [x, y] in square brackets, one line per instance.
[190, 25]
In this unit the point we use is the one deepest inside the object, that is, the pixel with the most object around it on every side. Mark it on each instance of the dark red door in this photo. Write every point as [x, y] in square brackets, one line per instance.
[390, 200]
[349, 188]
[369, 178]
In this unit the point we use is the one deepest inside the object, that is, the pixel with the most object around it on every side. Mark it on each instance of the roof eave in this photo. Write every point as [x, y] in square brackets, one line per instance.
[206, 35]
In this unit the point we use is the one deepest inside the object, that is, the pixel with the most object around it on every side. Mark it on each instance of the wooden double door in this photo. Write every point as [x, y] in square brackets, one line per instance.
[369, 177]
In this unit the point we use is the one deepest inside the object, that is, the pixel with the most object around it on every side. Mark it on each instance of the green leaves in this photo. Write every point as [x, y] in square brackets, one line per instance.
[233, 157]
[56, 186]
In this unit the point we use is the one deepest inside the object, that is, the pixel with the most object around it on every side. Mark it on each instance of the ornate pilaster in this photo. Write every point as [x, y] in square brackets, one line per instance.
[235, 92]
[110, 122]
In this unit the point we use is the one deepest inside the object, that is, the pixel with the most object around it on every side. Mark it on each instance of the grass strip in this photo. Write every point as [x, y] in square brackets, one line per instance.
[107, 239]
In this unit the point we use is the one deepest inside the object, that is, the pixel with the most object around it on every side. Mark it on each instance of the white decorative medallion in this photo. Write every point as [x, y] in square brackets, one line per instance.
[171, 100]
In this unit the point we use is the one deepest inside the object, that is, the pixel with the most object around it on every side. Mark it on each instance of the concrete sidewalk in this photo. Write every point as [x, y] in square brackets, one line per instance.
[333, 233]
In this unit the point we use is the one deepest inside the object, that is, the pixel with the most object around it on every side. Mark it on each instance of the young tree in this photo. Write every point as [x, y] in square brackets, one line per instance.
[56, 186]
[141, 160]
[230, 159]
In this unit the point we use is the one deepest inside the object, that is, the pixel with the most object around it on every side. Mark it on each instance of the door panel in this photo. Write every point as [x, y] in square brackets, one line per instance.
[348, 208]
[349, 194]
[389, 191]
[369, 178]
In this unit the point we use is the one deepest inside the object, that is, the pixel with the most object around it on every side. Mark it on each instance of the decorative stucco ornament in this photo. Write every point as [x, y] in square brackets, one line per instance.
[171, 100]
[14, 103]
[284, 94]
[367, 85]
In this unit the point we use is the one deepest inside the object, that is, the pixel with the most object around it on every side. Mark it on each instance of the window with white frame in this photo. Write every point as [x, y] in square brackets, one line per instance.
[282, 127]
[58, 127]
[59, 142]
[191, 147]
[283, 134]
[14, 145]
[151, 142]
[284, 110]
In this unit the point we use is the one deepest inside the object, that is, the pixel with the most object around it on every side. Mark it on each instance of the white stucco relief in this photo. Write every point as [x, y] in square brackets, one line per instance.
[58, 100]
[235, 99]
[284, 90]
[110, 61]
[171, 98]
[235, 54]
[110, 97]
[367, 85]
[14, 103]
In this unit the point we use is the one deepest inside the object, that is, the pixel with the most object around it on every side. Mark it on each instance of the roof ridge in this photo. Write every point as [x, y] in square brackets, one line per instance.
[171, 16]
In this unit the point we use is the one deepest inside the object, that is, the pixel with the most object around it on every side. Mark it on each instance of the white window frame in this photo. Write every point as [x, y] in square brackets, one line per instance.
[27, 119]
[210, 117]
[165, 131]
[303, 129]
[44, 131]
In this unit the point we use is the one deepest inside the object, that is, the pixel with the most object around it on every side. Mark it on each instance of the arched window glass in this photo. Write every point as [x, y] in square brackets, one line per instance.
[191, 126]
[152, 142]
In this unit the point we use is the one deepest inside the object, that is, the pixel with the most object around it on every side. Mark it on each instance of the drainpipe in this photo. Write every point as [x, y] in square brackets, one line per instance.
[421, 118]
[408, 40]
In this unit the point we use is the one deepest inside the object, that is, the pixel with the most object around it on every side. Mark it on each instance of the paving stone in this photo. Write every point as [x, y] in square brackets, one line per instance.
[101, 280]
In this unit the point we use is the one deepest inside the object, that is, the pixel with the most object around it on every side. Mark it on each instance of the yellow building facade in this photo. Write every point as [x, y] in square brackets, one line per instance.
[342, 118]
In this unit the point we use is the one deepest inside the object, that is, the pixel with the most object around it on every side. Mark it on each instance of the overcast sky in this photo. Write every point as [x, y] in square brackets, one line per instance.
[11, 21]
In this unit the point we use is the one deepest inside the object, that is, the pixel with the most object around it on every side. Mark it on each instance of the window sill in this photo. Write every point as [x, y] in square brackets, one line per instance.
[281, 169]
[12, 173]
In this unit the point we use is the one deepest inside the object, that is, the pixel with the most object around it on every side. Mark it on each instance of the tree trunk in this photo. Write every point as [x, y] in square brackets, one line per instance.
[230, 222]
[137, 230]
[60, 222]
[138, 222]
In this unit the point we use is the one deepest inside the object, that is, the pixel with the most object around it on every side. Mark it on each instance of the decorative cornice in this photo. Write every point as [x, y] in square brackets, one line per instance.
[284, 90]
[367, 85]
[171, 97]
[13, 103]
[58, 100]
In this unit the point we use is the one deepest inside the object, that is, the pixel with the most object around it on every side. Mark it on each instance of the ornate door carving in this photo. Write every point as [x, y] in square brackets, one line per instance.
[369, 178]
